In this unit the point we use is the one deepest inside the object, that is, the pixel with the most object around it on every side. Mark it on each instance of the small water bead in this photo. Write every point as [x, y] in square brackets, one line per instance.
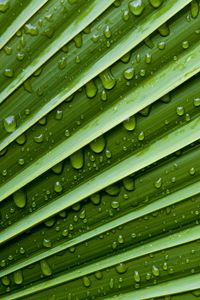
[95, 198]
[192, 171]
[58, 187]
[45, 268]
[21, 161]
[98, 144]
[31, 29]
[155, 271]
[86, 281]
[156, 3]
[59, 114]
[103, 95]
[47, 243]
[108, 153]
[50, 222]
[158, 183]
[161, 45]
[136, 7]
[77, 160]
[67, 133]
[78, 40]
[129, 73]
[65, 232]
[20, 56]
[142, 72]
[180, 111]
[107, 79]
[39, 138]
[8, 50]
[107, 32]
[126, 15]
[121, 268]
[10, 124]
[137, 276]
[194, 8]
[18, 277]
[4, 5]
[185, 44]
[196, 102]
[8, 72]
[91, 89]
[148, 58]
[77, 59]
[115, 204]
[19, 198]
[98, 275]
[141, 136]
[130, 123]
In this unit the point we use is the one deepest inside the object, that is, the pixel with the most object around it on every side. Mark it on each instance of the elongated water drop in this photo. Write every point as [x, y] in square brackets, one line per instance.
[164, 29]
[112, 190]
[78, 40]
[57, 168]
[31, 29]
[45, 268]
[10, 124]
[129, 73]
[18, 277]
[91, 89]
[98, 144]
[194, 8]
[19, 198]
[129, 183]
[136, 7]
[155, 271]
[58, 187]
[107, 79]
[136, 276]
[156, 3]
[86, 281]
[77, 160]
[107, 32]
[5, 280]
[95, 198]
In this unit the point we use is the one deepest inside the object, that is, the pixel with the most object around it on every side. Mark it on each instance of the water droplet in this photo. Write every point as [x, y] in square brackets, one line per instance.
[148, 58]
[112, 190]
[103, 95]
[136, 276]
[107, 32]
[114, 204]
[91, 89]
[47, 243]
[10, 124]
[50, 222]
[161, 45]
[4, 5]
[95, 198]
[18, 277]
[58, 187]
[196, 102]
[141, 136]
[107, 79]
[129, 183]
[77, 160]
[130, 123]
[125, 58]
[45, 268]
[126, 15]
[121, 268]
[185, 44]
[98, 144]
[65, 233]
[180, 110]
[156, 3]
[86, 281]
[5, 280]
[31, 29]
[59, 114]
[39, 138]
[8, 72]
[98, 275]
[120, 239]
[78, 40]
[158, 183]
[155, 271]
[129, 73]
[192, 171]
[19, 198]
[136, 7]
[194, 8]
[164, 29]
[58, 168]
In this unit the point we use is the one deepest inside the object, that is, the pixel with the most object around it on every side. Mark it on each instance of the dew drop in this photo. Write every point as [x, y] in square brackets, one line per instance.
[98, 144]
[90, 89]
[155, 271]
[112, 190]
[19, 198]
[158, 183]
[180, 110]
[103, 95]
[121, 268]
[78, 40]
[58, 187]
[77, 160]
[47, 243]
[39, 138]
[130, 123]
[18, 277]
[31, 29]
[136, 276]
[45, 268]
[129, 183]
[107, 32]
[196, 102]
[10, 124]
[164, 30]
[141, 136]
[57, 169]
[136, 7]
[95, 198]
[4, 5]
[129, 73]
[156, 3]
[86, 281]
[148, 58]
[194, 8]
[107, 79]
[185, 44]
[5, 280]
[8, 72]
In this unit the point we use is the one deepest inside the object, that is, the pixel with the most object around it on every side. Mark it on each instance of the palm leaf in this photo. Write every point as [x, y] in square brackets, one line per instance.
[99, 149]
